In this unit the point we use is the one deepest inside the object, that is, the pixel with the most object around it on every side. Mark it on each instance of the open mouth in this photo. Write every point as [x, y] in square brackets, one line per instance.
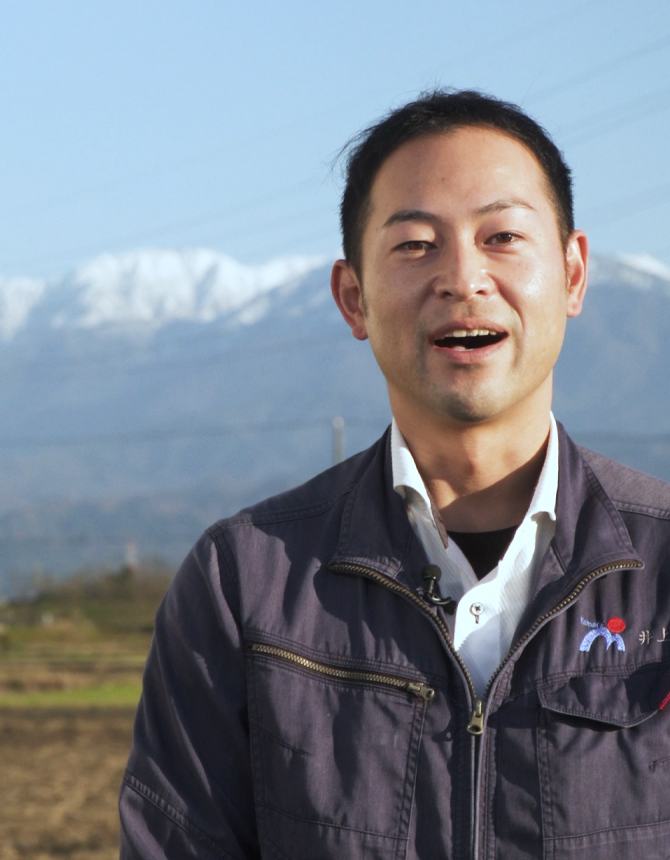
[465, 339]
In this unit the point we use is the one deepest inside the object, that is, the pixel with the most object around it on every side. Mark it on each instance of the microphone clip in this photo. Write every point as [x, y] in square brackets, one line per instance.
[431, 575]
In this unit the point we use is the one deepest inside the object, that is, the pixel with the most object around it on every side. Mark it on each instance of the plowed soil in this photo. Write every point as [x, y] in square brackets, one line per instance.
[71, 661]
[60, 772]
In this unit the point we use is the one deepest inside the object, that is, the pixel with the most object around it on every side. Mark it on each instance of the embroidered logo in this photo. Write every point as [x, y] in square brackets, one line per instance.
[609, 631]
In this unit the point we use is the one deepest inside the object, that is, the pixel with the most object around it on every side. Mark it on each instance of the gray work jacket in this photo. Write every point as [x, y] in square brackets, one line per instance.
[303, 701]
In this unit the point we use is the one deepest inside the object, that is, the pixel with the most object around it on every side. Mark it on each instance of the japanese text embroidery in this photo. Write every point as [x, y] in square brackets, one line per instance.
[646, 637]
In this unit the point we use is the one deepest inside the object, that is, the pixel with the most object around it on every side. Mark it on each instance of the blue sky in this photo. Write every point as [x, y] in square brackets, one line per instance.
[213, 124]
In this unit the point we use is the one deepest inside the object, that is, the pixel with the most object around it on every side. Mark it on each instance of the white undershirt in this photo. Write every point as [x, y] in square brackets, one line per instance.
[484, 622]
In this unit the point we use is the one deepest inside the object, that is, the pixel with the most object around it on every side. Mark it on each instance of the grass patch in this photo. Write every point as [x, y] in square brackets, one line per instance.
[102, 696]
[91, 604]
[80, 643]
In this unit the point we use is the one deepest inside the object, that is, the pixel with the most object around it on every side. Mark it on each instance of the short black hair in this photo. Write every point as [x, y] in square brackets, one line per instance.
[434, 112]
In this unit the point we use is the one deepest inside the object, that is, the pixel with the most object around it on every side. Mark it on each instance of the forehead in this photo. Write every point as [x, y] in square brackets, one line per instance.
[468, 164]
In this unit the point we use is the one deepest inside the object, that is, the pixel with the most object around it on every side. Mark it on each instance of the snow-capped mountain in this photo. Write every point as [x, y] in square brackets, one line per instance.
[147, 393]
[18, 296]
[638, 271]
[145, 288]
[148, 289]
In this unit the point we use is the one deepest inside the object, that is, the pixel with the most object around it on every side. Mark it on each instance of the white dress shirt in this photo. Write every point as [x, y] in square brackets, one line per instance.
[486, 618]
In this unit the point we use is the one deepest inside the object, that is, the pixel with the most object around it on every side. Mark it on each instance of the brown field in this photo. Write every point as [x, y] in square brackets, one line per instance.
[71, 661]
[61, 771]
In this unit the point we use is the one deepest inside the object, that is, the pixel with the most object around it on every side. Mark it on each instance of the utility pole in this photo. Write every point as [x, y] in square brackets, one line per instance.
[338, 439]
[131, 557]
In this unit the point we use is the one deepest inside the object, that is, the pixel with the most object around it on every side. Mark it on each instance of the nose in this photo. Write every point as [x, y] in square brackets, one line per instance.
[463, 273]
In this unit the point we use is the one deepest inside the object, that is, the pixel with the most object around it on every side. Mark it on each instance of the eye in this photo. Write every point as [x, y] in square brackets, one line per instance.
[415, 245]
[503, 238]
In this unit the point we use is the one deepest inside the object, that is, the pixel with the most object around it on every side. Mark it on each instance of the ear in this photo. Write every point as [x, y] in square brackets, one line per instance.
[576, 267]
[348, 295]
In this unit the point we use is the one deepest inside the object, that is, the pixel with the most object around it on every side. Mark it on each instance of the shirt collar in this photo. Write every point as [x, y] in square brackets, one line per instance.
[544, 497]
[406, 475]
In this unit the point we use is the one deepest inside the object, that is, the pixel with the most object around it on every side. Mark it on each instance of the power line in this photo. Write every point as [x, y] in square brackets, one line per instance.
[630, 204]
[139, 178]
[131, 239]
[142, 364]
[298, 238]
[155, 435]
[580, 78]
[177, 434]
[605, 121]
[505, 41]
[217, 152]
[222, 149]
[220, 215]
[615, 118]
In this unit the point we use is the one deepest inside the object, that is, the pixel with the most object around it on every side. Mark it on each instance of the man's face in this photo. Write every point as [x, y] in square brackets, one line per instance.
[465, 285]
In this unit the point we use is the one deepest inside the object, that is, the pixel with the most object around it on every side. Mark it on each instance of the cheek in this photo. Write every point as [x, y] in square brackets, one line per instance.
[391, 302]
[383, 322]
[544, 296]
[548, 330]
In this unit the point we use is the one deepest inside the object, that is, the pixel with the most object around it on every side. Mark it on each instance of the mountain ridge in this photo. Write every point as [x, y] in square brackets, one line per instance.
[114, 410]
[155, 287]
[145, 287]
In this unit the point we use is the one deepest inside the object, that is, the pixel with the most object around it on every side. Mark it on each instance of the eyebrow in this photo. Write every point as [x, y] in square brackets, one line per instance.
[501, 205]
[404, 215]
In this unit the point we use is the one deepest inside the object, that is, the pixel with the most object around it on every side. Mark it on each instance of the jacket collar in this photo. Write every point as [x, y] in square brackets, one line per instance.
[376, 532]
[590, 533]
[590, 530]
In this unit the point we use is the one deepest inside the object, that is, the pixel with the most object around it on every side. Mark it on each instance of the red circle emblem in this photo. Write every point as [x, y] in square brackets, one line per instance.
[616, 625]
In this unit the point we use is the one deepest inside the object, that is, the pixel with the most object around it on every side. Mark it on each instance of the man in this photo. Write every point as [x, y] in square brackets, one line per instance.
[452, 645]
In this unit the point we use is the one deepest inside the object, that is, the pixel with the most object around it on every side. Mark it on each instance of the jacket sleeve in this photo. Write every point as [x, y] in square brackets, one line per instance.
[187, 791]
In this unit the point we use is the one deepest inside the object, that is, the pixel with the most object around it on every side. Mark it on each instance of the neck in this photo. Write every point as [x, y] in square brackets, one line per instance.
[481, 477]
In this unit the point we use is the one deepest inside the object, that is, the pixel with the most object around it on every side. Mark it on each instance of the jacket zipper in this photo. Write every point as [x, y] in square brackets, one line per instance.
[349, 567]
[416, 688]
[625, 564]
[476, 724]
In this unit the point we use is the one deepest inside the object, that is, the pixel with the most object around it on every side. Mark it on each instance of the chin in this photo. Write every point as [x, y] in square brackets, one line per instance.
[466, 410]
[467, 414]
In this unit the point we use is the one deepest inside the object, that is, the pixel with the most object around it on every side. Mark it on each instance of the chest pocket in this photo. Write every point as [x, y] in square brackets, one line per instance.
[604, 759]
[334, 753]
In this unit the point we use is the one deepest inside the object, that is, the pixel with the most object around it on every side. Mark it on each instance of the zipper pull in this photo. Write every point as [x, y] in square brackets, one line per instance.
[418, 688]
[476, 724]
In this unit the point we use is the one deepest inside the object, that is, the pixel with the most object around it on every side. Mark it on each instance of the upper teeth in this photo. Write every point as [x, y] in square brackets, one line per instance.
[461, 332]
